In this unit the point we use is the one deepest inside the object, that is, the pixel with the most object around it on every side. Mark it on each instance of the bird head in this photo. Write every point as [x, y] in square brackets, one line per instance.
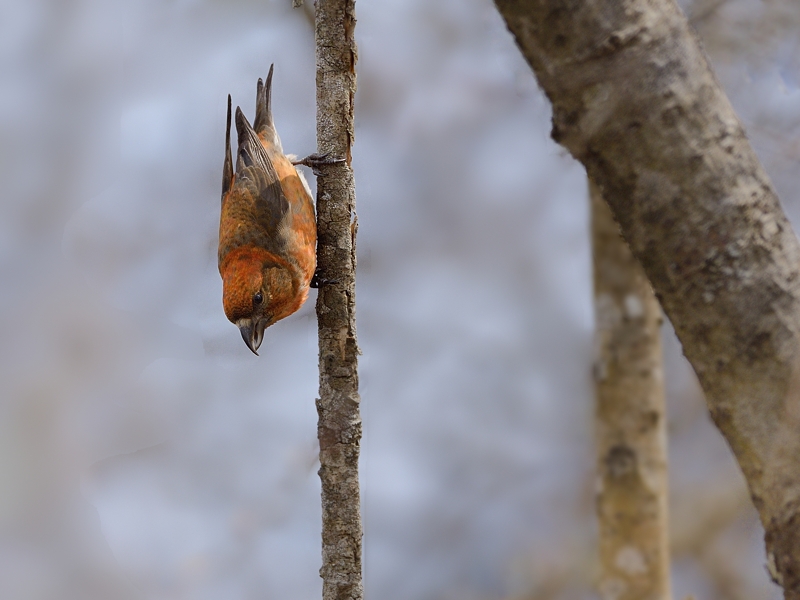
[257, 291]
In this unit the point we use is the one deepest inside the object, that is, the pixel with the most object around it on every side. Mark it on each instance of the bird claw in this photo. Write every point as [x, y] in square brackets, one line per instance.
[315, 161]
[318, 280]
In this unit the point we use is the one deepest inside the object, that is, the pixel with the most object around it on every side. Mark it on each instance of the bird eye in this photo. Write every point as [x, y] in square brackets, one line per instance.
[258, 298]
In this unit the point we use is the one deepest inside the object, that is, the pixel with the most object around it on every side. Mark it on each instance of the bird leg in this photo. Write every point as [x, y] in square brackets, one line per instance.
[317, 281]
[315, 161]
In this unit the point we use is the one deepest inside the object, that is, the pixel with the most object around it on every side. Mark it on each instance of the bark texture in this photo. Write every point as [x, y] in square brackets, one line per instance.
[339, 428]
[631, 432]
[634, 99]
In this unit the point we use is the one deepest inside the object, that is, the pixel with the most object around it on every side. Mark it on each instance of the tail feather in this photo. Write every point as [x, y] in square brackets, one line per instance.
[263, 124]
[227, 167]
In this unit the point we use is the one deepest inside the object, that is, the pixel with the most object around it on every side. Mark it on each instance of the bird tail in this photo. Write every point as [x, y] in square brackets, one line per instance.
[263, 124]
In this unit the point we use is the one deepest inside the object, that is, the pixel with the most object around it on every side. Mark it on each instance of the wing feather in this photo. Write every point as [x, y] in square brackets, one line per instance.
[257, 188]
[227, 167]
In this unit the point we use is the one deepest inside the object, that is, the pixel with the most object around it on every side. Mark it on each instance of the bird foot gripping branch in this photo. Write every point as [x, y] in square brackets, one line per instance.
[267, 229]
[317, 281]
[315, 161]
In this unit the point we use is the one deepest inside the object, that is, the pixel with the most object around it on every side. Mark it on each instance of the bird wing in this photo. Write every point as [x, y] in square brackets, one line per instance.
[227, 166]
[256, 199]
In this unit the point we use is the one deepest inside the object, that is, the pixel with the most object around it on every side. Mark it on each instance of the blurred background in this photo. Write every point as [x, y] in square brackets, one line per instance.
[146, 453]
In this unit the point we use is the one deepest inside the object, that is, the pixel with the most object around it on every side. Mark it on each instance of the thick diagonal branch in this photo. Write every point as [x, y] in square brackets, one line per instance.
[339, 428]
[634, 99]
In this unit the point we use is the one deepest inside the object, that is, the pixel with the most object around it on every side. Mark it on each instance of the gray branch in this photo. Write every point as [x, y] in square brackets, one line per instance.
[339, 428]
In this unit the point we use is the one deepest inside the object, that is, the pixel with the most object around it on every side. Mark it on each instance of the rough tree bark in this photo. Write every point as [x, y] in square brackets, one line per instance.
[631, 436]
[339, 428]
[634, 99]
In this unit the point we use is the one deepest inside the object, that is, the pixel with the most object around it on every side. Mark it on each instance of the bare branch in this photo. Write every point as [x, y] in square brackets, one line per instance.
[339, 428]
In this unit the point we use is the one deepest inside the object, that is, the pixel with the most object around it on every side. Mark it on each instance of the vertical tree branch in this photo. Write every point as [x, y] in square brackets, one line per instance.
[339, 428]
[635, 100]
[630, 420]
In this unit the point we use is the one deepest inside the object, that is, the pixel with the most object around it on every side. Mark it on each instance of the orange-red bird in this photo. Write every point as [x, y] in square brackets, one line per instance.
[267, 231]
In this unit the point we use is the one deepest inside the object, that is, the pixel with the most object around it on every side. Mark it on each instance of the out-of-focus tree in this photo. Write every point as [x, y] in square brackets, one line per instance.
[635, 100]
[631, 430]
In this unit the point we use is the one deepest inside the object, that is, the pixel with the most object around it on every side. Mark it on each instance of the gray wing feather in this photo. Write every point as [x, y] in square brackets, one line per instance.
[256, 173]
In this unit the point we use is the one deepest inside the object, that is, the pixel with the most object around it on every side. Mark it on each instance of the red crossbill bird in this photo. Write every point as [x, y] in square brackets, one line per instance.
[267, 230]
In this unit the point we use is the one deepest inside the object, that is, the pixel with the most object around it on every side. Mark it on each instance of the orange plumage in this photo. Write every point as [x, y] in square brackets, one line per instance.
[267, 230]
